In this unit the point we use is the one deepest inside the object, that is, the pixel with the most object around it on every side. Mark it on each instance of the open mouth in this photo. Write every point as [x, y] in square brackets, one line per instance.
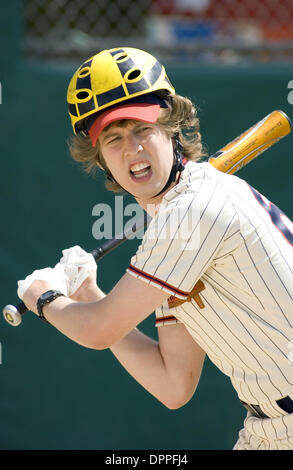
[140, 170]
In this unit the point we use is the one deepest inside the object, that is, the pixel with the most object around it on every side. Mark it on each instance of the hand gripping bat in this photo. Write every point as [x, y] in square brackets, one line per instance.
[229, 159]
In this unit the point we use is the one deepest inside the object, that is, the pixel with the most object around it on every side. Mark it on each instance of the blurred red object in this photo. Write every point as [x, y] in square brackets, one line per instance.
[273, 17]
[243, 9]
[277, 31]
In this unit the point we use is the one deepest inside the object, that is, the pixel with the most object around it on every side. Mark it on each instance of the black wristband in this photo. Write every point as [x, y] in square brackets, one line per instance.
[45, 299]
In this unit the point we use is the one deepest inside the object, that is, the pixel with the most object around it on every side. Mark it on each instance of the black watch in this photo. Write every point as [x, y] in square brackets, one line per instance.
[45, 299]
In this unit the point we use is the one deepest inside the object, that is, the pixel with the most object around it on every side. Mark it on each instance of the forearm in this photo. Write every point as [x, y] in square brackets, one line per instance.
[169, 369]
[72, 317]
[137, 353]
[144, 360]
[140, 355]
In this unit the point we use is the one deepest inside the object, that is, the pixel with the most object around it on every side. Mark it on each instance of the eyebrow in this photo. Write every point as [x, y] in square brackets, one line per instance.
[113, 133]
[110, 134]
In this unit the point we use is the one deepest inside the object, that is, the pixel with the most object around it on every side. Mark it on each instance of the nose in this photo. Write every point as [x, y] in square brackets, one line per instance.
[132, 145]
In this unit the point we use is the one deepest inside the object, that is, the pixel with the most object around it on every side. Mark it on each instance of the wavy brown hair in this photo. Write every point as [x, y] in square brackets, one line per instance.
[180, 117]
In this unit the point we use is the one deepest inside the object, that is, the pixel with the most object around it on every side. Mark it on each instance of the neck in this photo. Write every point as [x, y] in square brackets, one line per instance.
[151, 206]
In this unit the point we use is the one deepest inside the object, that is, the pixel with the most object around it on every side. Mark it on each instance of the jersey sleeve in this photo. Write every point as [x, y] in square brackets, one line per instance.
[183, 239]
[164, 316]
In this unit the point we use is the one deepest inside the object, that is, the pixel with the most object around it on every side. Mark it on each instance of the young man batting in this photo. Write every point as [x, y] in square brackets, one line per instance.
[215, 263]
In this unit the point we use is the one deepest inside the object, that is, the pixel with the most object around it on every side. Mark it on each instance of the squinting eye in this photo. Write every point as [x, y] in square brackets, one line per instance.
[111, 141]
[144, 129]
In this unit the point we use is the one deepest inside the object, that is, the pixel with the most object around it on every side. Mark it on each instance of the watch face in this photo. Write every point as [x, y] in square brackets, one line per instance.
[47, 295]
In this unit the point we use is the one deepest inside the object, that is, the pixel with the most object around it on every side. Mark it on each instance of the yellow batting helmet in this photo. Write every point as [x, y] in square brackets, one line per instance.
[112, 77]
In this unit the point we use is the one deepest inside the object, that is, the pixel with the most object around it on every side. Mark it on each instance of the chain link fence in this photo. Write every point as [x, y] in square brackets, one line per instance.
[208, 30]
[66, 27]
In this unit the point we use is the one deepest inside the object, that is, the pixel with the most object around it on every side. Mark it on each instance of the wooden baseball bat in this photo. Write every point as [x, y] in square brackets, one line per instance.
[252, 142]
[229, 159]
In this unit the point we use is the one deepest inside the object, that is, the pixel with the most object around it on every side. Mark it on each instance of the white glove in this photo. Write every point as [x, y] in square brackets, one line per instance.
[67, 276]
[54, 276]
[77, 265]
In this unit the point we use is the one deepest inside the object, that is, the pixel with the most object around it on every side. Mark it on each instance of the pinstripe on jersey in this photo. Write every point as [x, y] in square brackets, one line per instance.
[245, 264]
[266, 434]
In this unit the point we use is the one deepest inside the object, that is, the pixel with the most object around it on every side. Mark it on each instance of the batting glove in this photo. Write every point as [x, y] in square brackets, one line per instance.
[56, 277]
[77, 265]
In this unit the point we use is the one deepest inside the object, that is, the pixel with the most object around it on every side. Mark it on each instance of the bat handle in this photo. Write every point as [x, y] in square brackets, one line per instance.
[13, 314]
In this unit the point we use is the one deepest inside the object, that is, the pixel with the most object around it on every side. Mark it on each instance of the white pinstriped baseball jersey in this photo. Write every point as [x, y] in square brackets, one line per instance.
[240, 246]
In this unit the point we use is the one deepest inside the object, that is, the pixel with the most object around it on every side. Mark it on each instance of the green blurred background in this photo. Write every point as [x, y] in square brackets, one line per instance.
[55, 394]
